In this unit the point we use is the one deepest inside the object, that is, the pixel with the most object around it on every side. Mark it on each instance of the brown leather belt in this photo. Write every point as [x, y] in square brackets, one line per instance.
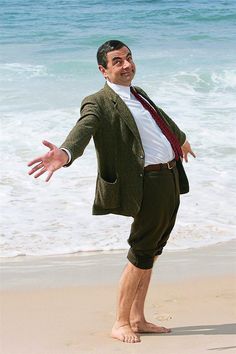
[160, 166]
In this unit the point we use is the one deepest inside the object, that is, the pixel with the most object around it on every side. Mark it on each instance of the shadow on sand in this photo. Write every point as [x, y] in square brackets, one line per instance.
[222, 329]
[226, 328]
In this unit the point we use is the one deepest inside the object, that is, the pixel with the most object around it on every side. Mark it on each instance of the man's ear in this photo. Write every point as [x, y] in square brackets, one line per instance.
[103, 70]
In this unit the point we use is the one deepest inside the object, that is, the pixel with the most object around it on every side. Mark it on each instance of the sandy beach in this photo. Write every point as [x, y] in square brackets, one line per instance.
[66, 304]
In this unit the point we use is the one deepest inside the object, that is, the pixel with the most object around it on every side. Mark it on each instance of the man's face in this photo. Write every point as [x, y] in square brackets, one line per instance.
[120, 67]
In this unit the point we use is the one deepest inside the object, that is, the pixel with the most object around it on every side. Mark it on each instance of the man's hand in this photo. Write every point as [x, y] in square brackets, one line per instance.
[186, 148]
[51, 161]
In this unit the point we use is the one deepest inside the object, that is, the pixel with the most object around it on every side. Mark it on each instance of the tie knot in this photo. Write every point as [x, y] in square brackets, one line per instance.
[132, 90]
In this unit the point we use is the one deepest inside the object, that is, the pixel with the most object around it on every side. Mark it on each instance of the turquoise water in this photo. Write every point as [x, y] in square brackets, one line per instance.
[51, 45]
[185, 57]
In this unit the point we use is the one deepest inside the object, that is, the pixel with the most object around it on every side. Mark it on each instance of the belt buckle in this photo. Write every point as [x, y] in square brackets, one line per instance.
[169, 166]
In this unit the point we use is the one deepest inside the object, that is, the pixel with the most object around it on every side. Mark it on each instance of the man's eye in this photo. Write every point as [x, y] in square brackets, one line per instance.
[117, 62]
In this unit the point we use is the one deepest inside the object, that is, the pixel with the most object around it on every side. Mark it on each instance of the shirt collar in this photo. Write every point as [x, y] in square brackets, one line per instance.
[122, 91]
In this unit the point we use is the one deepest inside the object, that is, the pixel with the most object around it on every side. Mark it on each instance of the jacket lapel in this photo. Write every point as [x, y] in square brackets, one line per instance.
[122, 110]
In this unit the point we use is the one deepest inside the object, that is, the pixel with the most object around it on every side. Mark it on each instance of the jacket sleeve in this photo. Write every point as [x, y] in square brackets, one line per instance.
[85, 128]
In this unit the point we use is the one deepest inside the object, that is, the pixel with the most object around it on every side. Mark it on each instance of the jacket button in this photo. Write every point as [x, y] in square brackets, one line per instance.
[141, 156]
[141, 175]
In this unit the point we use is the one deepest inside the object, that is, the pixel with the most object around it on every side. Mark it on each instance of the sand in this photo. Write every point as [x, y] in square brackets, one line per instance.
[66, 304]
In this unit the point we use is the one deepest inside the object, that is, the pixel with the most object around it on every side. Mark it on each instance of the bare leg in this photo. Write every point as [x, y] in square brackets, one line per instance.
[129, 284]
[137, 309]
[137, 318]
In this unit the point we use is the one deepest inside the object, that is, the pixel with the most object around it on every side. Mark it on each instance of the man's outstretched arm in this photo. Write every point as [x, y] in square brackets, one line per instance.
[49, 162]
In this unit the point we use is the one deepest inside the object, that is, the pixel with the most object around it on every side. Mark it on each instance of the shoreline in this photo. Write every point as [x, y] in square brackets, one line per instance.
[78, 268]
[112, 251]
[108, 251]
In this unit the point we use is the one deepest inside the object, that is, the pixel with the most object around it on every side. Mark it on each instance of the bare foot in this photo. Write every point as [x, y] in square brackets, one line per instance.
[124, 333]
[147, 327]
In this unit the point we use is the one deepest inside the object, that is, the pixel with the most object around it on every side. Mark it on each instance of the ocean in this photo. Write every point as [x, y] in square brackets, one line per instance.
[185, 57]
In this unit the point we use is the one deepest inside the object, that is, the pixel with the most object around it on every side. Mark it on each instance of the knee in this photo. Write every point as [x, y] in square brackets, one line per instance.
[137, 268]
[142, 262]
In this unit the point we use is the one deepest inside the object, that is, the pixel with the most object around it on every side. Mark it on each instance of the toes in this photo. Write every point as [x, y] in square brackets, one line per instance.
[131, 339]
[125, 334]
[126, 339]
[136, 340]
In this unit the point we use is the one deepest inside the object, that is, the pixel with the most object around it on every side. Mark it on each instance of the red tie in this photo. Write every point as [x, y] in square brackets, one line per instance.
[161, 123]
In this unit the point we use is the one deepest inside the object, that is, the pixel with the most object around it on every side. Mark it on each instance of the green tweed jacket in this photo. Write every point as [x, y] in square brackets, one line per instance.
[120, 154]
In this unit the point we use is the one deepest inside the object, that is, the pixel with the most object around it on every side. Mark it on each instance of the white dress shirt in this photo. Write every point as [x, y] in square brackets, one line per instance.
[157, 148]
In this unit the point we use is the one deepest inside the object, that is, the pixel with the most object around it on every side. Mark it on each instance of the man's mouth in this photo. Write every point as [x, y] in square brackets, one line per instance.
[127, 73]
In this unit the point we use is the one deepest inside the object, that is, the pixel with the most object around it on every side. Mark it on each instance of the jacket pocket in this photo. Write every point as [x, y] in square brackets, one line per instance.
[107, 193]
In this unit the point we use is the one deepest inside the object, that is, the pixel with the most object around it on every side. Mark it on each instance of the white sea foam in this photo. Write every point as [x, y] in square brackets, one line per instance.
[225, 80]
[28, 70]
[55, 218]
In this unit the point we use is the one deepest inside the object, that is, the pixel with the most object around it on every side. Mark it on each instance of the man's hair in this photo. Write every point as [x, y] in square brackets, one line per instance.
[107, 47]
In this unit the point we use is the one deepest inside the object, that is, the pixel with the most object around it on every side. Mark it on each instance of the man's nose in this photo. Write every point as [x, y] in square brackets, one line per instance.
[126, 64]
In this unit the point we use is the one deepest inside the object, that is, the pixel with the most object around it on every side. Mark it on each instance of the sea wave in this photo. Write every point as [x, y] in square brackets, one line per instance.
[12, 70]
[200, 80]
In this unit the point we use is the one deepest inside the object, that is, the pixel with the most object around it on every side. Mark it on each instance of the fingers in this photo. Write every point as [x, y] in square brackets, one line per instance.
[36, 168]
[186, 157]
[192, 153]
[38, 159]
[43, 170]
[48, 144]
[49, 176]
[43, 161]
[186, 148]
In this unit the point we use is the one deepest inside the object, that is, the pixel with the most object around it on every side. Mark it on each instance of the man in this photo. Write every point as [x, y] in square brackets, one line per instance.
[140, 174]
